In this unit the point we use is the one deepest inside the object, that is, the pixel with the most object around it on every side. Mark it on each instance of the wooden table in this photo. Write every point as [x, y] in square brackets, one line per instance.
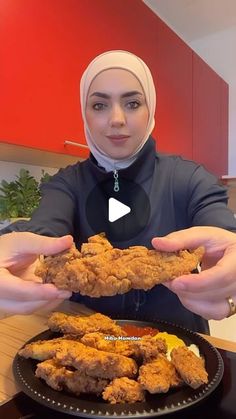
[16, 330]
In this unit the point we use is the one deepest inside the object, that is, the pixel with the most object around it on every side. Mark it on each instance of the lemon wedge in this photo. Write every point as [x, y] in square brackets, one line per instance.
[172, 341]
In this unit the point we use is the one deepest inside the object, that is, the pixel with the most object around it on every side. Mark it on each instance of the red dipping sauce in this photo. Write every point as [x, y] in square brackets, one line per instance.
[132, 330]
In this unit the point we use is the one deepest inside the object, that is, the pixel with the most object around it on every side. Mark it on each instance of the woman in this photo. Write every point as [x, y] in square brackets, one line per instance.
[118, 106]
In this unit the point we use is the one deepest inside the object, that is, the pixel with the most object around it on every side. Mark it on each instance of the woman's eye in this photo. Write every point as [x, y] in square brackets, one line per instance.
[99, 106]
[134, 104]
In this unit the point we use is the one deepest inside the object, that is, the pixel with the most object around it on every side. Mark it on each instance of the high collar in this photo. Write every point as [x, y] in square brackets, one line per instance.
[140, 169]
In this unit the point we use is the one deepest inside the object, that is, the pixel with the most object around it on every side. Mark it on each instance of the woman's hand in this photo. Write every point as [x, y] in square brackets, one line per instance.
[20, 290]
[205, 293]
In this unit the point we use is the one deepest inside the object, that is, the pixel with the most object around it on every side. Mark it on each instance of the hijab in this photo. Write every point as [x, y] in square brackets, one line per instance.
[125, 60]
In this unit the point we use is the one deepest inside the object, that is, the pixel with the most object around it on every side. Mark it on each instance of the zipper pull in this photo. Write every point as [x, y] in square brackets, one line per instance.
[116, 181]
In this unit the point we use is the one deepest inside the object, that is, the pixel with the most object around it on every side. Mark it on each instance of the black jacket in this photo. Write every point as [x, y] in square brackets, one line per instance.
[181, 194]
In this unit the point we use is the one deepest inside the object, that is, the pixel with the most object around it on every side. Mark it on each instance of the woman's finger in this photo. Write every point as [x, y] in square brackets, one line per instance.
[18, 243]
[210, 310]
[214, 239]
[14, 288]
[27, 307]
[217, 277]
[45, 245]
[210, 295]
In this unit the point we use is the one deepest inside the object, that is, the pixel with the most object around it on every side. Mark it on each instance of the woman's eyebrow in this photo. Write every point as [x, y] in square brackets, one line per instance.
[126, 94]
[132, 93]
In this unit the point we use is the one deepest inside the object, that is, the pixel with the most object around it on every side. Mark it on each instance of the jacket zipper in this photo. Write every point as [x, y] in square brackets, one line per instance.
[116, 181]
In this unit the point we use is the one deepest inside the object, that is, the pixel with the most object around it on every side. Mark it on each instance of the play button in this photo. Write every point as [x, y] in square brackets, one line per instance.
[116, 210]
[122, 214]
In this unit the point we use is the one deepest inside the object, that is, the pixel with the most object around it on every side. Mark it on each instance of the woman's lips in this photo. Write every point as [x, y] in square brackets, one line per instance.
[117, 137]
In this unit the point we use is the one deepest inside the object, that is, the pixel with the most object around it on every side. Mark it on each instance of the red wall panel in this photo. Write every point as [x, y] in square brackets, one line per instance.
[174, 93]
[209, 118]
[45, 46]
[224, 112]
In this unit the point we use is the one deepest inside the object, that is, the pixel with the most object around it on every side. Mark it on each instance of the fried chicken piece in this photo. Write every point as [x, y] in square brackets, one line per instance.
[45, 349]
[101, 270]
[143, 349]
[148, 348]
[96, 245]
[65, 258]
[189, 366]
[158, 376]
[87, 360]
[123, 390]
[80, 325]
[96, 363]
[60, 378]
[103, 342]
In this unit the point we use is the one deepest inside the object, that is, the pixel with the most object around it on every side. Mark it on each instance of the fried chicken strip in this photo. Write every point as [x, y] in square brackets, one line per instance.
[96, 244]
[87, 360]
[143, 349]
[80, 325]
[101, 270]
[158, 376]
[148, 348]
[45, 349]
[96, 363]
[123, 390]
[189, 366]
[103, 342]
[60, 378]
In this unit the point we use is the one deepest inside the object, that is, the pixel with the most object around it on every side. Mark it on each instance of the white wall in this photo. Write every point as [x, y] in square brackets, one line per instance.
[224, 329]
[219, 51]
[9, 170]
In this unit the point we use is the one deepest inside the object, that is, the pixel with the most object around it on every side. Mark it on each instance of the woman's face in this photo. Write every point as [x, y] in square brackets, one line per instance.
[116, 112]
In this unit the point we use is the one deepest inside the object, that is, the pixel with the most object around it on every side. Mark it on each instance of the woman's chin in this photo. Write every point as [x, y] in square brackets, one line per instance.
[118, 154]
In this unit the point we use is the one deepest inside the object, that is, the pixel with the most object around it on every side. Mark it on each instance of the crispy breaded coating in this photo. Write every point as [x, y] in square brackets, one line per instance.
[101, 270]
[158, 376]
[80, 325]
[96, 363]
[143, 349]
[104, 342]
[87, 360]
[189, 366]
[123, 390]
[96, 245]
[95, 355]
[148, 348]
[60, 378]
[44, 349]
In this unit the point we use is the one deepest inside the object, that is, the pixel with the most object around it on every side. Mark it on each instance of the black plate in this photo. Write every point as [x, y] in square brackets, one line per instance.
[91, 406]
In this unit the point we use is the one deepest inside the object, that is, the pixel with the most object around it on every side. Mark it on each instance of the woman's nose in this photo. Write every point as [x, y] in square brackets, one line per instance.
[117, 116]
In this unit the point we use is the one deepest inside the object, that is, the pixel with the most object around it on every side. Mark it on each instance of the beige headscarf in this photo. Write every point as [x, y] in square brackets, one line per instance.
[127, 61]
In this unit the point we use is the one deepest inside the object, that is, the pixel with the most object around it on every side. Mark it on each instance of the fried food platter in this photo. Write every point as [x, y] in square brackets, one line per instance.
[95, 407]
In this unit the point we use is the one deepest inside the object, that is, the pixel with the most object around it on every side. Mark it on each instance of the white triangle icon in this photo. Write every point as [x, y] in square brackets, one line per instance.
[116, 210]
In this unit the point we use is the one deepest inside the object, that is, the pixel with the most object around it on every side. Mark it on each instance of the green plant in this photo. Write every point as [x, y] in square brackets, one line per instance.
[19, 198]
